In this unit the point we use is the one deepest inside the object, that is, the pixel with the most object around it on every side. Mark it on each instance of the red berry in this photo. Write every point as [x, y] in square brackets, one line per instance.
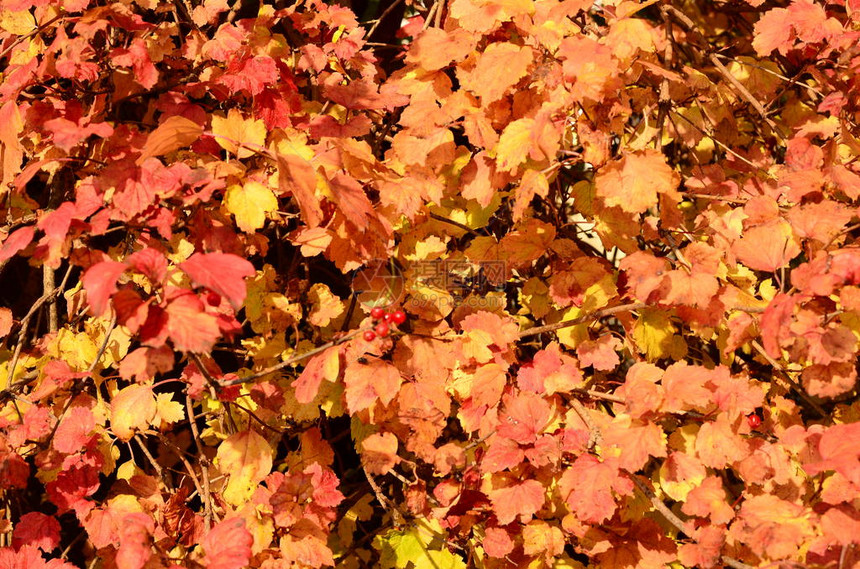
[754, 421]
[398, 317]
[377, 313]
[387, 317]
[213, 298]
[382, 329]
[369, 336]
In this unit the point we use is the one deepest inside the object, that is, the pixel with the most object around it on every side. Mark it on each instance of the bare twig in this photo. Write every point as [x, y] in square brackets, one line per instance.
[25, 322]
[594, 435]
[383, 499]
[594, 394]
[181, 454]
[206, 496]
[734, 563]
[596, 315]
[48, 285]
[661, 507]
[382, 16]
[149, 457]
[104, 345]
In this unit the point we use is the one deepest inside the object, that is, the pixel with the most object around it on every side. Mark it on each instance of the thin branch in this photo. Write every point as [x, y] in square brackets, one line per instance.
[49, 284]
[181, 454]
[25, 322]
[292, 360]
[154, 463]
[661, 507]
[383, 499]
[454, 223]
[734, 563]
[793, 384]
[596, 315]
[382, 16]
[104, 345]
[594, 435]
[594, 394]
[206, 496]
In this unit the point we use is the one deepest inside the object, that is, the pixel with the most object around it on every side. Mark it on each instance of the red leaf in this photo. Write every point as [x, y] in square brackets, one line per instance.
[501, 454]
[151, 263]
[228, 545]
[352, 200]
[325, 483]
[143, 363]
[134, 535]
[74, 430]
[222, 272]
[100, 283]
[14, 471]
[29, 557]
[38, 530]
[16, 241]
[189, 327]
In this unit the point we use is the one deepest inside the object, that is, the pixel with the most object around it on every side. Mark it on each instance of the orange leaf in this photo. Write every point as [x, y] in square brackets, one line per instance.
[486, 81]
[296, 176]
[708, 500]
[436, 48]
[767, 247]
[132, 409]
[364, 384]
[379, 453]
[519, 499]
[174, 133]
[634, 182]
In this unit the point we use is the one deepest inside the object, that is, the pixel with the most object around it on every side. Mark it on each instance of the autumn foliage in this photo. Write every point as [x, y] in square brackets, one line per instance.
[623, 237]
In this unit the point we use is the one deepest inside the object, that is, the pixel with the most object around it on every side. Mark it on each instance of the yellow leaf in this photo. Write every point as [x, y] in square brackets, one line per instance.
[326, 306]
[250, 204]
[168, 410]
[655, 335]
[18, 22]
[76, 349]
[237, 135]
[513, 147]
[246, 458]
[132, 409]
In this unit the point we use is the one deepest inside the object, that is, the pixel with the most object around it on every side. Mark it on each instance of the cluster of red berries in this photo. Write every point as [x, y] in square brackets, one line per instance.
[384, 320]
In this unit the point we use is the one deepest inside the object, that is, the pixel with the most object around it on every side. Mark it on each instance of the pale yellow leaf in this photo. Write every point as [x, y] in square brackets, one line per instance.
[513, 147]
[246, 458]
[250, 204]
